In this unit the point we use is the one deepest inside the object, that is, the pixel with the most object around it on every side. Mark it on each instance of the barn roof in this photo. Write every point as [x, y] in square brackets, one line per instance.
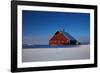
[67, 35]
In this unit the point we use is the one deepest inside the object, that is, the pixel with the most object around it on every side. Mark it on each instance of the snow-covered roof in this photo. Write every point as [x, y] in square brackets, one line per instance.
[67, 35]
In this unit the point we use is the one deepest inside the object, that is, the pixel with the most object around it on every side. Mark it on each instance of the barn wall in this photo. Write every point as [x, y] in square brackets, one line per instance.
[58, 39]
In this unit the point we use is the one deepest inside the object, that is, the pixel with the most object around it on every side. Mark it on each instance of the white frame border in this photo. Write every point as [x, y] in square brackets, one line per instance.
[52, 63]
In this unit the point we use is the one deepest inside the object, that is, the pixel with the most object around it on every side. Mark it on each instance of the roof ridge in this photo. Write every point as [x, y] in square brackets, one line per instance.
[66, 34]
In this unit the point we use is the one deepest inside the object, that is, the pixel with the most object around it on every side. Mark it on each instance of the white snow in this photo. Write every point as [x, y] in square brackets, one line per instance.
[54, 54]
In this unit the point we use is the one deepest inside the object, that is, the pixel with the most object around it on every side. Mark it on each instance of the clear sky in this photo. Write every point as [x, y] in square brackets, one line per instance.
[39, 26]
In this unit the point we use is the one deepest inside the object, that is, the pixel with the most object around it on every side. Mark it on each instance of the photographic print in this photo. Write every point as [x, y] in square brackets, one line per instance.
[49, 36]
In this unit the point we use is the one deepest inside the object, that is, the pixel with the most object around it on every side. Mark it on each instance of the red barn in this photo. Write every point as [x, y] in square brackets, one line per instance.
[62, 38]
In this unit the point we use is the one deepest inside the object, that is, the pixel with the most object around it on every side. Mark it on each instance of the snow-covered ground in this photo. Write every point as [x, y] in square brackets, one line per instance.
[53, 54]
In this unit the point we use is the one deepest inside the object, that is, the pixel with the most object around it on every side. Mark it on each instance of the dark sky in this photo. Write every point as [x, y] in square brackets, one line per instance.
[40, 26]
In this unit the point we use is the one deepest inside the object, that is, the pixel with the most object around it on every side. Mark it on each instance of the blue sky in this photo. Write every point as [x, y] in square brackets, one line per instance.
[39, 26]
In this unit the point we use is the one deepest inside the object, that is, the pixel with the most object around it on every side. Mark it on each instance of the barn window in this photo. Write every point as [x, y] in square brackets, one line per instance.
[58, 41]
